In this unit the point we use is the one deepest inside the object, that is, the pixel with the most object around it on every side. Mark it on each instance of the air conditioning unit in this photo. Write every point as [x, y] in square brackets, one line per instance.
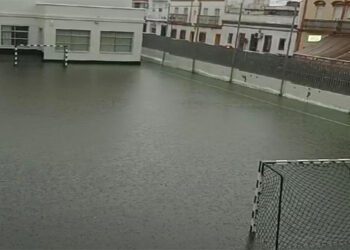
[258, 35]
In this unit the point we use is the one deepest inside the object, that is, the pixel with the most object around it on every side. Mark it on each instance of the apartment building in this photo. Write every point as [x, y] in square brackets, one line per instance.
[264, 29]
[197, 20]
[325, 29]
[92, 30]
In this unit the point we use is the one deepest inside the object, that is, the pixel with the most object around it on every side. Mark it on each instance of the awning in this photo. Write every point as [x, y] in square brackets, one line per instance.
[332, 46]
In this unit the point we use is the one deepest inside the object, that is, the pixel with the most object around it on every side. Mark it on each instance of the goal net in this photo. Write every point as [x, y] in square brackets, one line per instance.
[302, 204]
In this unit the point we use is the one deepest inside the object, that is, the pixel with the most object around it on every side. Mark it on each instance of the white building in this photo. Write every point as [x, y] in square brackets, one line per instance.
[156, 17]
[93, 30]
[265, 30]
[197, 20]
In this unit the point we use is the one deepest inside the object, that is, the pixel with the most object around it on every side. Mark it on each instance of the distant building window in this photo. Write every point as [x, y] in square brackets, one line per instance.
[192, 36]
[319, 8]
[186, 11]
[173, 33]
[217, 12]
[202, 37]
[153, 28]
[253, 43]
[145, 27]
[75, 40]
[163, 30]
[117, 42]
[176, 10]
[160, 10]
[281, 44]
[183, 34]
[205, 11]
[217, 39]
[337, 10]
[242, 41]
[267, 44]
[14, 35]
[230, 38]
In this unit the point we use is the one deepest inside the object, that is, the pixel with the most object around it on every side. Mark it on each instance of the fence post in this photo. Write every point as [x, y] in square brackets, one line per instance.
[15, 62]
[196, 38]
[288, 50]
[166, 32]
[235, 50]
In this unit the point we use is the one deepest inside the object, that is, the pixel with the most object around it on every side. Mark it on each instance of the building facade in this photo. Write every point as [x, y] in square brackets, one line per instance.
[324, 20]
[264, 30]
[92, 30]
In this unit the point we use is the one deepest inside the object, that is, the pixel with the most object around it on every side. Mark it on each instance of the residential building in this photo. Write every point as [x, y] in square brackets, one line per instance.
[325, 29]
[156, 17]
[197, 20]
[92, 30]
[265, 29]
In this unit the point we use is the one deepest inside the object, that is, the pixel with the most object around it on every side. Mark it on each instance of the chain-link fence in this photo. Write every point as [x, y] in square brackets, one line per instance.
[311, 73]
[303, 205]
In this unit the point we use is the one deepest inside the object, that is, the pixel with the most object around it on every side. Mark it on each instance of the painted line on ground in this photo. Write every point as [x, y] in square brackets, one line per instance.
[259, 100]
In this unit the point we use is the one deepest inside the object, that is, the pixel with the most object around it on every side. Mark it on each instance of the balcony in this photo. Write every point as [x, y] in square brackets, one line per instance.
[178, 18]
[211, 21]
[327, 25]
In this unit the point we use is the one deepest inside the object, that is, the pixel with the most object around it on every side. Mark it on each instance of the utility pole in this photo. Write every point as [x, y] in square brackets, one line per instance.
[288, 51]
[166, 32]
[196, 36]
[235, 50]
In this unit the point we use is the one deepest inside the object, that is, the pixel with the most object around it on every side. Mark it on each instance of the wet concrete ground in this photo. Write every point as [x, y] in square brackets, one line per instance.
[141, 157]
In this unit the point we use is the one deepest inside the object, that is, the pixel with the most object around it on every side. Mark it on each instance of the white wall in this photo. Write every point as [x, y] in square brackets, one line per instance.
[272, 85]
[50, 17]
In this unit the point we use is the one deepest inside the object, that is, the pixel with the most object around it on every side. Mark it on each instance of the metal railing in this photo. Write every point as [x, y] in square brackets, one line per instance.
[178, 18]
[208, 20]
[327, 25]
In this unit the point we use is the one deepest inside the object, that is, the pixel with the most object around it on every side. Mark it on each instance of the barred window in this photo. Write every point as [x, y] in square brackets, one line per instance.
[75, 40]
[14, 35]
[112, 41]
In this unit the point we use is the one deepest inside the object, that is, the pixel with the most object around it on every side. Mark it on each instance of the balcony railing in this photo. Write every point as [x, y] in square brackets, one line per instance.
[327, 25]
[208, 20]
[178, 18]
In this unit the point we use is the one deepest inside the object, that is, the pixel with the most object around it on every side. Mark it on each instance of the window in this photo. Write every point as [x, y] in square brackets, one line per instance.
[192, 36]
[183, 34]
[186, 11]
[320, 4]
[202, 37]
[173, 33]
[338, 10]
[230, 38]
[242, 41]
[253, 43]
[75, 40]
[217, 39]
[176, 10]
[145, 27]
[160, 10]
[163, 30]
[267, 44]
[14, 35]
[217, 12]
[205, 11]
[112, 41]
[153, 28]
[281, 44]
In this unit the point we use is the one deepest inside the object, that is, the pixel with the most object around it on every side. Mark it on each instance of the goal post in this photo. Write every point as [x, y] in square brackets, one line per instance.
[65, 51]
[302, 204]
